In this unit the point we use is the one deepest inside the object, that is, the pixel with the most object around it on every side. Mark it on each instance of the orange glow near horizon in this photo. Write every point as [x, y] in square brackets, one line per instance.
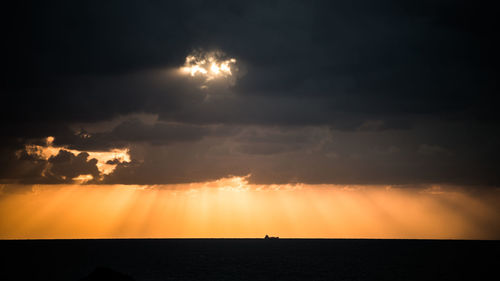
[231, 207]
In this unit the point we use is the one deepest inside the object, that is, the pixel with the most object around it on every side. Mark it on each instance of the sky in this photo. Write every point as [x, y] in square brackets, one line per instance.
[347, 109]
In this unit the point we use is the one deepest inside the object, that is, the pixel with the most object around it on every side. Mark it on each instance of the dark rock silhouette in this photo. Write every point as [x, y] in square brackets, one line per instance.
[106, 274]
[271, 237]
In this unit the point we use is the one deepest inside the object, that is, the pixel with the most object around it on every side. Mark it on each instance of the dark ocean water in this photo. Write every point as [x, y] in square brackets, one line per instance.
[249, 259]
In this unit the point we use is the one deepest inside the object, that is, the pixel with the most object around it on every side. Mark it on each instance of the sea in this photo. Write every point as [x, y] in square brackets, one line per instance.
[249, 259]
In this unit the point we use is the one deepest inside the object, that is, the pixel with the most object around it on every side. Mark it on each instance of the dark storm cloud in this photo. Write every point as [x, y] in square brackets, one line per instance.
[357, 57]
[22, 167]
[375, 70]
[65, 166]
[25, 168]
[134, 130]
[428, 154]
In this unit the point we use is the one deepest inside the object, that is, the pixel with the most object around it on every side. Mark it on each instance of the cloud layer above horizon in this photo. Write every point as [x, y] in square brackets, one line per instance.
[359, 92]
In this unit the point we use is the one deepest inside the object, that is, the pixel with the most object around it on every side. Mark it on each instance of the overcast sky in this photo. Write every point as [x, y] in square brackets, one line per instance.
[338, 92]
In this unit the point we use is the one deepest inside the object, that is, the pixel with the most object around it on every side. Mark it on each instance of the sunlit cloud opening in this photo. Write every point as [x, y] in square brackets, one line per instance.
[210, 66]
[81, 179]
[106, 160]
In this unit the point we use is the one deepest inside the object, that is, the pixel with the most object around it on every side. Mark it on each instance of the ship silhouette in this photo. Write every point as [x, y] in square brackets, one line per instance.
[267, 237]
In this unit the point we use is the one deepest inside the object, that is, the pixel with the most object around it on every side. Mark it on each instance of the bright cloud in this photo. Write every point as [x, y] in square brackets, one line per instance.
[210, 66]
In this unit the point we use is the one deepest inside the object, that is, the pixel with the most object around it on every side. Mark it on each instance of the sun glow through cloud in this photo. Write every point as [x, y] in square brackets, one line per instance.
[232, 207]
[209, 65]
